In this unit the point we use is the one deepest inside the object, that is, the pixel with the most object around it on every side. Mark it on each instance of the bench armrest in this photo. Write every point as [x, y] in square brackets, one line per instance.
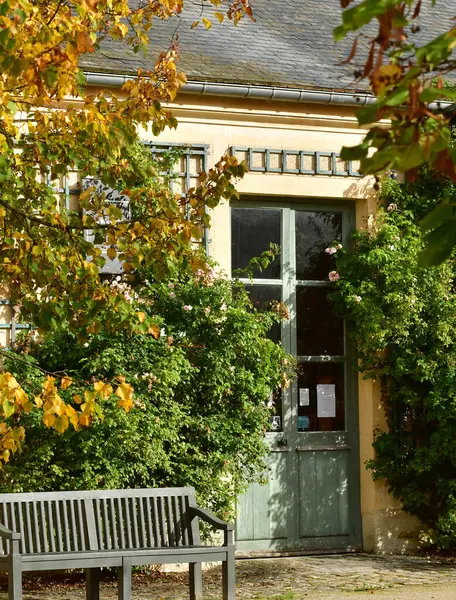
[8, 534]
[208, 517]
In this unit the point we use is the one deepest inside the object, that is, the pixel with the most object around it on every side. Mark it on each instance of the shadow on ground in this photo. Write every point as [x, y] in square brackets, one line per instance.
[272, 578]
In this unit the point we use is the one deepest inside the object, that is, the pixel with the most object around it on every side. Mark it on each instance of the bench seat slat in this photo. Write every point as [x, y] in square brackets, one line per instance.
[43, 532]
[112, 523]
[28, 528]
[162, 522]
[21, 527]
[149, 519]
[133, 522]
[36, 534]
[154, 513]
[185, 524]
[97, 494]
[66, 527]
[177, 522]
[141, 528]
[58, 526]
[51, 528]
[120, 522]
[106, 531]
[132, 552]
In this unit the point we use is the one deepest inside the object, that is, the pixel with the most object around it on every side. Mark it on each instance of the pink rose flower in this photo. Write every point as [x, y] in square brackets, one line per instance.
[333, 276]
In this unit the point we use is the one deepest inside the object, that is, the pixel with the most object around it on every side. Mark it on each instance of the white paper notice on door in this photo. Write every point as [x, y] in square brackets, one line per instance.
[326, 400]
[304, 397]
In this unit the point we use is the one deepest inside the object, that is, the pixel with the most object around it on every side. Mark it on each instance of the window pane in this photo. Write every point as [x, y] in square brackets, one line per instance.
[315, 231]
[321, 397]
[276, 418]
[252, 230]
[261, 297]
[319, 330]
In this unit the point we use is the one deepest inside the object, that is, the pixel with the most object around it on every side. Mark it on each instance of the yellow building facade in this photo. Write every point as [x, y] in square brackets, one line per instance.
[319, 496]
[243, 125]
[270, 93]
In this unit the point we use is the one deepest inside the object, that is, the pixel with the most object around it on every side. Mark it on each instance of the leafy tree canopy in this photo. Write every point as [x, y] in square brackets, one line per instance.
[408, 80]
[50, 126]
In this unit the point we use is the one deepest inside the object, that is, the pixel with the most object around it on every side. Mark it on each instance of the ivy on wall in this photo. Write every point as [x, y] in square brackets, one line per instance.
[402, 319]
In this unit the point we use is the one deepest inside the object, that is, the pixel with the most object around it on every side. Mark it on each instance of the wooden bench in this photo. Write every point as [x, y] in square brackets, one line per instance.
[109, 528]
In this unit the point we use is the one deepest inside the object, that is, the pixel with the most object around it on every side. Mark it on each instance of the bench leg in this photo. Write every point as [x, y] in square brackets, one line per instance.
[195, 580]
[124, 581]
[92, 584]
[229, 576]
[15, 578]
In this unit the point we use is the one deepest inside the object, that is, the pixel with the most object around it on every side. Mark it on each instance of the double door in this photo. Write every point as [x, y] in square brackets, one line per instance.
[311, 498]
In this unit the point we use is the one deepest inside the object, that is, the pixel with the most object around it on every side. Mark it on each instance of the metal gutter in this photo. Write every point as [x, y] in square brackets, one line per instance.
[254, 92]
[258, 92]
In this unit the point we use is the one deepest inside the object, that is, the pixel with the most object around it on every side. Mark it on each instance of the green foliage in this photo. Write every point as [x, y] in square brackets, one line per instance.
[406, 77]
[402, 319]
[201, 391]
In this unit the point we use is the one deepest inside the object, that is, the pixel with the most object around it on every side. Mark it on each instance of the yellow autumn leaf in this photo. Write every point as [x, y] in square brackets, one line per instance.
[27, 406]
[83, 42]
[84, 420]
[89, 397]
[66, 382]
[141, 316]
[220, 16]
[155, 331]
[385, 77]
[125, 393]
[38, 401]
[121, 29]
[61, 424]
[8, 408]
[195, 24]
[49, 384]
[20, 396]
[111, 252]
[207, 23]
[59, 408]
[48, 419]
[103, 389]
[77, 398]
[72, 416]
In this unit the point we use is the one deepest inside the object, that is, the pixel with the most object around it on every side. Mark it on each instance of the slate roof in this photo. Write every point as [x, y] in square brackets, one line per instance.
[289, 45]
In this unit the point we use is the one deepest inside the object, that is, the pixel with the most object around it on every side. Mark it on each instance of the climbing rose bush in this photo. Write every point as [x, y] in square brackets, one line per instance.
[200, 404]
[401, 319]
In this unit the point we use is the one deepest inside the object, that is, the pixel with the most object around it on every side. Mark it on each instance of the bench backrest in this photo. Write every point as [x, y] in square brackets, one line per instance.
[99, 520]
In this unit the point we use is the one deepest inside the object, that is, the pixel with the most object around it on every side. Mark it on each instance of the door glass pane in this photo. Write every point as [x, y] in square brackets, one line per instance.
[315, 231]
[321, 397]
[319, 330]
[252, 230]
[261, 297]
[276, 418]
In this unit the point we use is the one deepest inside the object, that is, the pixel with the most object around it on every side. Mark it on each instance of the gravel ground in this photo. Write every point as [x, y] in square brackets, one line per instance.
[346, 577]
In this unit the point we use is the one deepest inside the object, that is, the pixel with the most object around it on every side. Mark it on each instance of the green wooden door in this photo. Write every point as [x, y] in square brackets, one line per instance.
[311, 498]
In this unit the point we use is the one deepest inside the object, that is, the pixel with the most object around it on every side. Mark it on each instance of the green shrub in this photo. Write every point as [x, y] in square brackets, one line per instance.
[402, 319]
[201, 392]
